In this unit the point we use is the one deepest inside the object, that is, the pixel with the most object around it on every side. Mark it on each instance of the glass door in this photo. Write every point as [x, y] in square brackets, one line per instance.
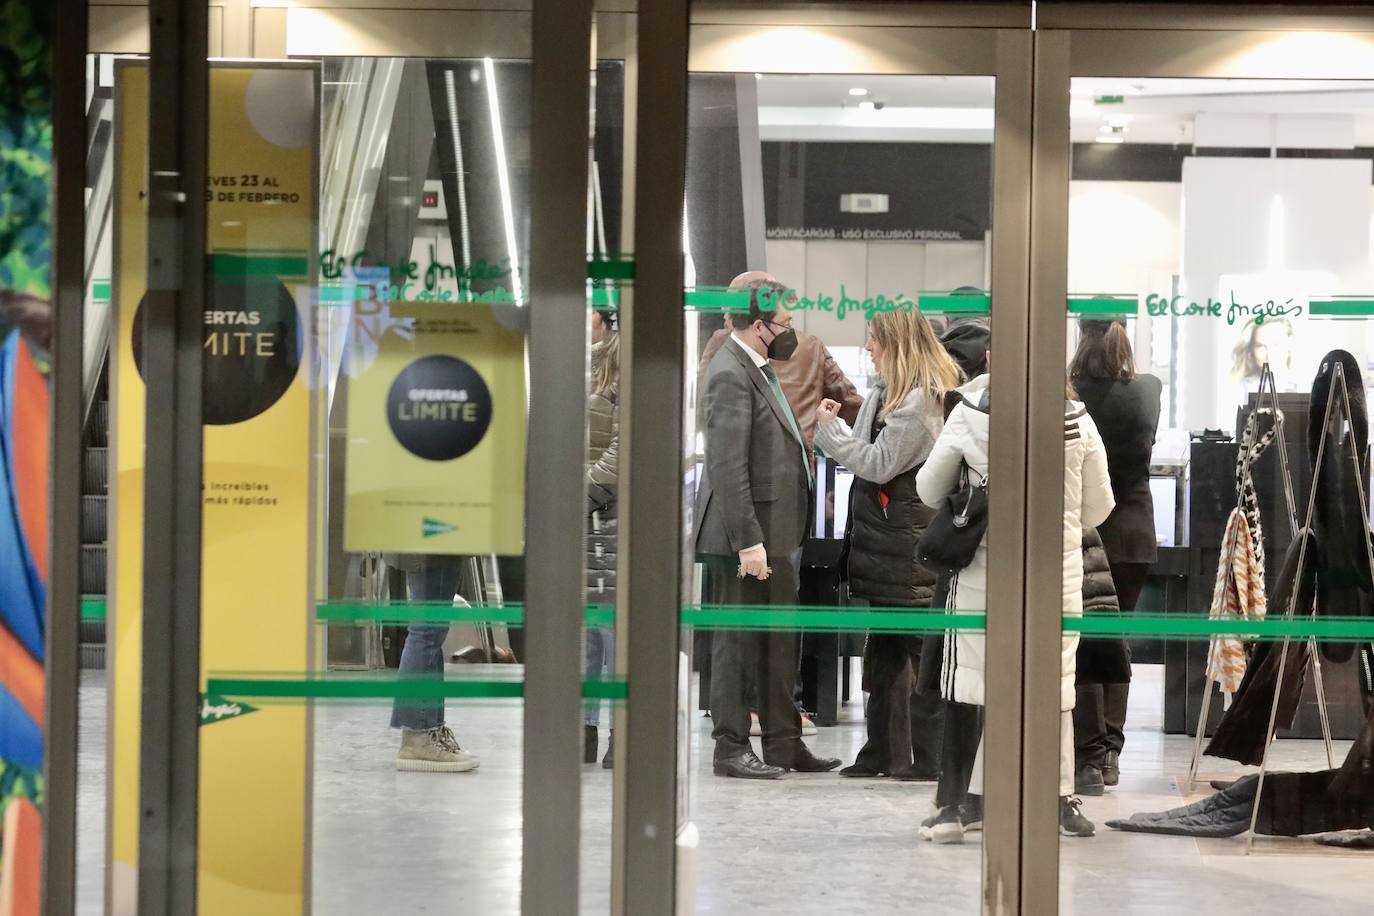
[396, 393]
[1201, 279]
[851, 712]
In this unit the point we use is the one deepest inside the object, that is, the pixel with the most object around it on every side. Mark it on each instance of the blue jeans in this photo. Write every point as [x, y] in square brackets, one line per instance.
[600, 657]
[423, 652]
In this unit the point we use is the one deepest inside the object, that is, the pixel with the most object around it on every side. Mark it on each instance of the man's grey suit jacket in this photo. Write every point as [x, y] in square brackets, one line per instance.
[755, 488]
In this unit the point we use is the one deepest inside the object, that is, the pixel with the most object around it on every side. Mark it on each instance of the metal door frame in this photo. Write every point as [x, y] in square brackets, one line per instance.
[1116, 40]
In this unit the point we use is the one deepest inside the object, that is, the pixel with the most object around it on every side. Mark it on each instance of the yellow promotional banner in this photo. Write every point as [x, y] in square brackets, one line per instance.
[256, 533]
[436, 434]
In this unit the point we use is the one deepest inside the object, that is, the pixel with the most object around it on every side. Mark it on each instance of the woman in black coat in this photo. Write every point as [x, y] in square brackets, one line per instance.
[897, 424]
[1125, 407]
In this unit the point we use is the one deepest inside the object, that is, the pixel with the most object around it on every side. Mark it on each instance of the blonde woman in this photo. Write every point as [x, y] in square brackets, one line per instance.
[896, 427]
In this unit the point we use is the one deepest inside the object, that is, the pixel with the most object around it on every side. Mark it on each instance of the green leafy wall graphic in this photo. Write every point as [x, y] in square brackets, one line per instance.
[25, 166]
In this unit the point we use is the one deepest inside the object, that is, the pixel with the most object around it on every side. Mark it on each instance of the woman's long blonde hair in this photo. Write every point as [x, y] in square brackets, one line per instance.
[912, 357]
[606, 365]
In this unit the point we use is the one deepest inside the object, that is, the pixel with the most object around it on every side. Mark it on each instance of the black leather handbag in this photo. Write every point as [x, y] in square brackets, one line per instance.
[953, 535]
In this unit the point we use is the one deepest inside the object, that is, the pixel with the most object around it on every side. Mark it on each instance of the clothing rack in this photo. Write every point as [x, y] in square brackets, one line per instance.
[1268, 387]
[1345, 417]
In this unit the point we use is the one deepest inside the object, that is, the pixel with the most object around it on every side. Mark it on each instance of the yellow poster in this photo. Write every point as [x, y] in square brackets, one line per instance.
[436, 434]
[255, 574]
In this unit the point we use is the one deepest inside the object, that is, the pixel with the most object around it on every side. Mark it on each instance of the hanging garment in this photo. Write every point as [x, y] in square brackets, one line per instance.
[1344, 581]
[1243, 731]
[1239, 590]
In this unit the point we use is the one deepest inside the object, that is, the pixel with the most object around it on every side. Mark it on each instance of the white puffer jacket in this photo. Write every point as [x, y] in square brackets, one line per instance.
[1087, 502]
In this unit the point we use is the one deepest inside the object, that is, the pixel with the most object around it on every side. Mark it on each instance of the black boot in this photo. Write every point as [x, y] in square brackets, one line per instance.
[608, 762]
[589, 742]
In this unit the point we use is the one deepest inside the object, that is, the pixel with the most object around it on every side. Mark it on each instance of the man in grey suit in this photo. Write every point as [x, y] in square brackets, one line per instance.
[753, 509]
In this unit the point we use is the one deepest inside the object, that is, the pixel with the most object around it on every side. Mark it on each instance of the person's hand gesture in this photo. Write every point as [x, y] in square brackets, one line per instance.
[828, 412]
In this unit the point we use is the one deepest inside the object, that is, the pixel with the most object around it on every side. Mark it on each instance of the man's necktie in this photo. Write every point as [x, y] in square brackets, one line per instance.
[772, 377]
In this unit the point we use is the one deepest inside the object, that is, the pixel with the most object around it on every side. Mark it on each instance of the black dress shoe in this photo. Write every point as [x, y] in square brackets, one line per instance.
[589, 742]
[912, 774]
[802, 760]
[1111, 769]
[859, 771]
[1087, 780]
[746, 766]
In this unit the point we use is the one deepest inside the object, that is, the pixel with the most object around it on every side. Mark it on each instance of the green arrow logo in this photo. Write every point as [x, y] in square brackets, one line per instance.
[432, 527]
[214, 708]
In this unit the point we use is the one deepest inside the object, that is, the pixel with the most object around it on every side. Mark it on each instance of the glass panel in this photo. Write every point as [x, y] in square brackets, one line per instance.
[610, 288]
[366, 400]
[423, 286]
[98, 516]
[853, 212]
[1220, 289]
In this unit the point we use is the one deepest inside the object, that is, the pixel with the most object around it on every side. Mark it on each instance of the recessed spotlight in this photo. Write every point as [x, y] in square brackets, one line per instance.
[858, 90]
[867, 106]
[758, 76]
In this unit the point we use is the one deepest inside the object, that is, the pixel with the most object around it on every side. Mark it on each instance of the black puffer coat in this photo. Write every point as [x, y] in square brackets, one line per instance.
[886, 515]
[1101, 660]
[882, 549]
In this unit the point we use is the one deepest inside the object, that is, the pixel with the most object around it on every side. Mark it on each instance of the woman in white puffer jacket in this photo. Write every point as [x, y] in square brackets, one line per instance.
[1088, 501]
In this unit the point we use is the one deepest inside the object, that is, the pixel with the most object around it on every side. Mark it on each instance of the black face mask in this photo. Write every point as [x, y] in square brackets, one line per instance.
[783, 345]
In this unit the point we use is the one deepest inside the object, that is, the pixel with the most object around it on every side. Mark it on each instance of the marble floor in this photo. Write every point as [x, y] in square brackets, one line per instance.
[397, 843]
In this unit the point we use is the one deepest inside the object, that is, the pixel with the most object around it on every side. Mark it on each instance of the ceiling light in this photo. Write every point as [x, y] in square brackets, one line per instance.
[1110, 138]
[866, 106]
[858, 90]
[758, 76]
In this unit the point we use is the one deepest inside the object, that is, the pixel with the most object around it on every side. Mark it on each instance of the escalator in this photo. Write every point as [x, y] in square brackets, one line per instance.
[95, 479]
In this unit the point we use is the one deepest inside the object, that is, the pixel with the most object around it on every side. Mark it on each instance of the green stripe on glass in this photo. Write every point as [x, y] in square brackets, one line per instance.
[611, 269]
[417, 612]
[829, 620]
[955, 303]
[605, 298]
[1104, 305]
[100, 289]
[258, 265]
[599, 615]
[1341, 306]
[93, 607]
[1329, 628]
[394, 688]
[344, 293]
[734, 617]
[715, 299]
